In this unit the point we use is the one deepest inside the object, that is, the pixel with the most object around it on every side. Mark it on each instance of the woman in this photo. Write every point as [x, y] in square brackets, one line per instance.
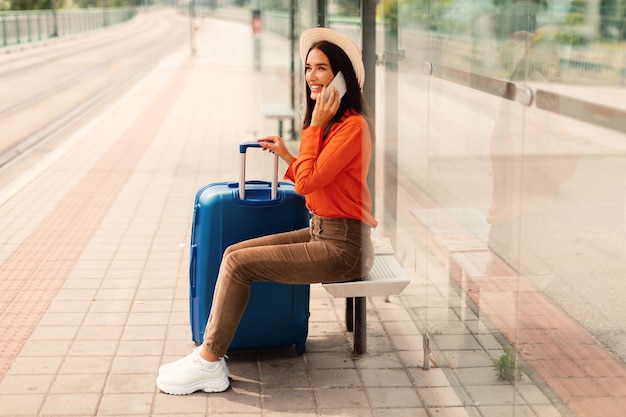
[330, 170]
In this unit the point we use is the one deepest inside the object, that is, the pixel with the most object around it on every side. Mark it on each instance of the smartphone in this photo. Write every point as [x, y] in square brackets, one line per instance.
[339, 83]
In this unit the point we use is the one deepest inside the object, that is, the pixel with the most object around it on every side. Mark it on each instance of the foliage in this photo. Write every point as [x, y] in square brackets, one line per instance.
[507, 367]
[575, 18]
[280, 5]
[59, 4]
[424, 13]
[34, 4]
[348, 7]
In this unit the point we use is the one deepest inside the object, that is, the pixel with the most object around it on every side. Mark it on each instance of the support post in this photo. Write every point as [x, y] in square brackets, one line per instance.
[426, 346]
[350, 314]
[292, 45]
[360, 325]
[368, 45]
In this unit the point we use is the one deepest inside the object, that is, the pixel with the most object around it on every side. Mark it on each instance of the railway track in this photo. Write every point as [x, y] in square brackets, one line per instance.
[50, 90]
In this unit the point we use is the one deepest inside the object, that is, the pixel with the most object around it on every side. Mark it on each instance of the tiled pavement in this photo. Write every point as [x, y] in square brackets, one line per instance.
[94, 291]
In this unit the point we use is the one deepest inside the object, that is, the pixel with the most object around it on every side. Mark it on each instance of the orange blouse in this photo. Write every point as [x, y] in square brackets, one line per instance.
[332, 173]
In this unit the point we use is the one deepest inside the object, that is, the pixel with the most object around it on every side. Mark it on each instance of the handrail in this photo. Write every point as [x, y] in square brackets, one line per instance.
[27, 26]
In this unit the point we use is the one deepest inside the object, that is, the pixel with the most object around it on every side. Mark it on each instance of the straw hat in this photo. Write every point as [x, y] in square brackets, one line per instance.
[314, 35]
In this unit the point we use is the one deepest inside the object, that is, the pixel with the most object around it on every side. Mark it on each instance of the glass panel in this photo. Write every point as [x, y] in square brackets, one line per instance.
[501, 130]
[502, 180]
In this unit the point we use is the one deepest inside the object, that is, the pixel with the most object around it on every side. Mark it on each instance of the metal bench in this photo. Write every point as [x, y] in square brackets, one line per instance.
[280, 112]
[386, 278]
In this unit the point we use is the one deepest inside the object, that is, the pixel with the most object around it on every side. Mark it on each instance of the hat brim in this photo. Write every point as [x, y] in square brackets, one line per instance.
[311, 36]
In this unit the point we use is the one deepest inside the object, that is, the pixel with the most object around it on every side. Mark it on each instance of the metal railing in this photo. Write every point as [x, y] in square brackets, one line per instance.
[19, 27]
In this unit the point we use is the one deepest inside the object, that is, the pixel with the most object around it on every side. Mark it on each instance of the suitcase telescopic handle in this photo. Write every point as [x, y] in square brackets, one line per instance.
[243, 147]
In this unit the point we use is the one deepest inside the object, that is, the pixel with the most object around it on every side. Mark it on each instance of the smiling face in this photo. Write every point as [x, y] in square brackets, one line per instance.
[318, 72]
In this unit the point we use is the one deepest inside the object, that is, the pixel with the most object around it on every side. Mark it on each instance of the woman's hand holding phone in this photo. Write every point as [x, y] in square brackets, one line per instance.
[327, 102]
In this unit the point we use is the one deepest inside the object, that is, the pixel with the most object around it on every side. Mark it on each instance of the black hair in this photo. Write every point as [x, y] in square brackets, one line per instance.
[352, 100]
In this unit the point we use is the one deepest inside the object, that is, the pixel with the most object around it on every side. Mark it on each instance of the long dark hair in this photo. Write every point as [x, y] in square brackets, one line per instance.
[352, 100]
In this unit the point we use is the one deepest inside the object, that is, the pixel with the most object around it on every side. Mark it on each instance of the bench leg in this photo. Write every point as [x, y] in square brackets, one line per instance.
[350, 314]
[360, 325]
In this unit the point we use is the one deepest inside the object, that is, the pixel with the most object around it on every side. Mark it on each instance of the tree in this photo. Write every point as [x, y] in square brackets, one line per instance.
[34, 4]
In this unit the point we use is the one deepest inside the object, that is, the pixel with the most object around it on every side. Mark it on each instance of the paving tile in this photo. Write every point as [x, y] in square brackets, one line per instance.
[115, 294]
[494, 395]
[108, 319]
[342, 398]
[433, 377]
[35, 365]
[79, 280]
[335, 378]
[603, 366]
[153, 306]
[485, 375]
[110, 306]
[115, 404]
[333, 360]
[325, 323]
[396, 314]
[501, 411]
[455, 342]
[449, 327]
[184, 405]
[532, 394]
[400, 328]
[104, 348]
[46, 348]
[384, 360]
[375, 328]
[288, 399]
[578, 387]
[62, 319]
[600, 407]
[385, 378]
[20, 405]
[139, 348]
[125, 383]
[145, 332]
[278, 414]
[78, 383]
[75, 293]
[329, 344]
[25, 384]
[614, 385]
[488, 341]
[406, 342]
[235, 400]
[396, 397]
[401, 412]
[70, 404]
[86, 364]
[377, 344]
[464, 358]
[411, 359]
[546, 410]
[134, 364]
[439, 397]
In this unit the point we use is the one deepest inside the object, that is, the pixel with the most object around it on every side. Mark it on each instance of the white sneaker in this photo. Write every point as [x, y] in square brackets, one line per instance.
[191, 375]
[173, 365]
[167, 367]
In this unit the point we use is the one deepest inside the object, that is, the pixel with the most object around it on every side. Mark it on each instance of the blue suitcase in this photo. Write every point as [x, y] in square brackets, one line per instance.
[227, 213]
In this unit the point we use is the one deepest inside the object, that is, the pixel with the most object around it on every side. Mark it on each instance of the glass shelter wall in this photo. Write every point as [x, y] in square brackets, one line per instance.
[501, 182]
[504, 132]
[511, 132]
